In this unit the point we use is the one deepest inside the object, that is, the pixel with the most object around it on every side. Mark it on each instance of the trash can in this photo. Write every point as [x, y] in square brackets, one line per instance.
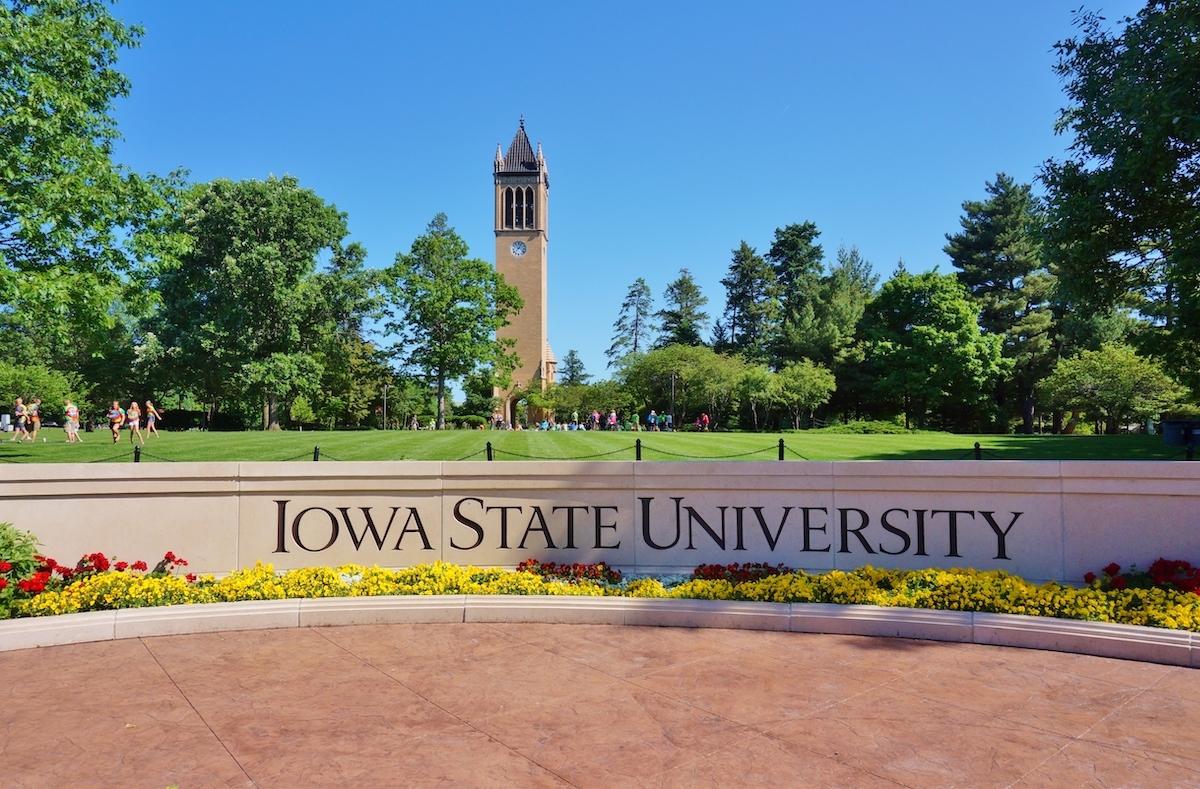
[1180, 432]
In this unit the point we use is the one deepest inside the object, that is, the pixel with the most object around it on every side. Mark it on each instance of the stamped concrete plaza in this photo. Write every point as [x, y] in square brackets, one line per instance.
[516, 705]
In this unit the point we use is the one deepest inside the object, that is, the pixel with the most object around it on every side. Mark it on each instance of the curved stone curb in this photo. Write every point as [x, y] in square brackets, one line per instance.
[1130, 642]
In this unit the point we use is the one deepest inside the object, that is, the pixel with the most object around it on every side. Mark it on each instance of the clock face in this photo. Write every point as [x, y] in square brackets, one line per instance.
[518, 249]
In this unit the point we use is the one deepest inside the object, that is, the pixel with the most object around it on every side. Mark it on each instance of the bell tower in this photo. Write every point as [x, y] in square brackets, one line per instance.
[522, 196]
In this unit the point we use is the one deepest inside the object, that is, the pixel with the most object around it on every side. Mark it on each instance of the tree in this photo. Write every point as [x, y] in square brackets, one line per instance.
[681, 320]
[799, 265]
[75, 228]
[572, 373]
[1123, 216]
[353, 373]
[445, 308]
[751, 306]
[924, 347]
[241, 309]
[998, 255]
[632, 329]
[800, 387]
[844, 294]
[755, 389]
[1114, 384]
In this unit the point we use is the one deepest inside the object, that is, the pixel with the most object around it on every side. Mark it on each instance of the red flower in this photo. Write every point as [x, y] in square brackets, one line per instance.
[5, 567]
[1118, 582]
[120, 566]
[36, 584]
[1089, 578]
[191, 578]
[139, 565]
[3, 583]
[1112, 569]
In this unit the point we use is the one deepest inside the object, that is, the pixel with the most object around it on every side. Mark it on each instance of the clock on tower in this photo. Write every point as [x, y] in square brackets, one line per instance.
[522, 191]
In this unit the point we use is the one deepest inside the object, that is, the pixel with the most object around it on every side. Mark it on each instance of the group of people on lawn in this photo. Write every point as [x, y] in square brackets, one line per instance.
[28, 420]
[131, 418]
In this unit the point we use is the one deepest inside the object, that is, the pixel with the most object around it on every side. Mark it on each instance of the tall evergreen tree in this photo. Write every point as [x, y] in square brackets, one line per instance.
[682, 320]
[999, 259]
[633, 327]
[798, 262]
[751, 306]
[572, 372]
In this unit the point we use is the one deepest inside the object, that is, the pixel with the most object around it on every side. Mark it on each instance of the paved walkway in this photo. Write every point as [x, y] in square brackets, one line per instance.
[587, 706]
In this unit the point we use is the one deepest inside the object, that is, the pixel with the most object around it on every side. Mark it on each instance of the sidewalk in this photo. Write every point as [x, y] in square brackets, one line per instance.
[465, 705]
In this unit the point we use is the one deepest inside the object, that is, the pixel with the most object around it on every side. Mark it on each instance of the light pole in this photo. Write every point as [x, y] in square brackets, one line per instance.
[385, 388]
[672, 401]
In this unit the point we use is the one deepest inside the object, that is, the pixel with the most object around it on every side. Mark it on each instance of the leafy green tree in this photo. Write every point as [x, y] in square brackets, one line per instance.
[755, 390]
[751, 306]
[925, 349]
[75, 228]
[241, 309]
[1123, 216]
[682, 320]
[480, 395]
[445, 308]
[572, 372]
[633, 327]
[353, 374]
[999, 259]
[647, 378]
[800, 387]
[1114, 384]
[31, 380]
[799, 266]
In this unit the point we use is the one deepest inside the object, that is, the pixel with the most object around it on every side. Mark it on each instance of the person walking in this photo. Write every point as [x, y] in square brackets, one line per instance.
[21, 417]
[71, 411]
[116, 418]
[152, 416]
[652, 421]
[133, 419]
[35, 418]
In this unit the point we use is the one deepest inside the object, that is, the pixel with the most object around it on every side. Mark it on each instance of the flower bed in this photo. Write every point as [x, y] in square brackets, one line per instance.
[42, 587]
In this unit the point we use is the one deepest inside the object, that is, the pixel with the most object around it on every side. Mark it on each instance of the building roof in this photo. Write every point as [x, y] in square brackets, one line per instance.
[520, 157]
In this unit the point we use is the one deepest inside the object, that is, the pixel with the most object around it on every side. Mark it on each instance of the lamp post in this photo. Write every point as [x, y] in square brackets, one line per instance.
[385, 388]
[672, 401]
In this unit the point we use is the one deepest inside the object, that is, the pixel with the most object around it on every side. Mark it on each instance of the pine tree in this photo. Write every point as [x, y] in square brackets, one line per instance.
[798, 262]
[682, 320]
[751, 306]
[632, 329]
[999, 259]
[572, 373]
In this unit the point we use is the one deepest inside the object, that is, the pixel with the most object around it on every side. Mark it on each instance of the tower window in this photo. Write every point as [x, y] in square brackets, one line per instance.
[529, 207]
[508, 207]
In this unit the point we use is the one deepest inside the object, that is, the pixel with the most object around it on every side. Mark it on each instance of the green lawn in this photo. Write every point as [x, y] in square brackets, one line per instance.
[464, 444]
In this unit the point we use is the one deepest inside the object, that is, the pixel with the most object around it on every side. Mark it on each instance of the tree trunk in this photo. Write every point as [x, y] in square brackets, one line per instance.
[271, 412]
[1028, 410]
[441, 402]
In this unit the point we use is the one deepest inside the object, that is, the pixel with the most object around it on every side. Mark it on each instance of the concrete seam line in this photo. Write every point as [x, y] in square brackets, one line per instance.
[1101, 639]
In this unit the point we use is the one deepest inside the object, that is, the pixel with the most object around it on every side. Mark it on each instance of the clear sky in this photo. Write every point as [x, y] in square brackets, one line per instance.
[672, 130]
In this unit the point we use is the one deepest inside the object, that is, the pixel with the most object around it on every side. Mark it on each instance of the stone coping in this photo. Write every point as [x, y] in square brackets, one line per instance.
[1103, 639]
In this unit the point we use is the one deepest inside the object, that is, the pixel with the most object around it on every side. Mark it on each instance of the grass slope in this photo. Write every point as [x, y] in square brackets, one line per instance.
[510, 446]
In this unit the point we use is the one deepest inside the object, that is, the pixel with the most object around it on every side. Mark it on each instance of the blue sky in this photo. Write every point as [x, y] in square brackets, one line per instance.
[672, 130]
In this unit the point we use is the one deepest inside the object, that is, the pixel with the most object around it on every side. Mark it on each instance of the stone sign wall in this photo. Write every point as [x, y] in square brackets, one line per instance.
[1044, 520]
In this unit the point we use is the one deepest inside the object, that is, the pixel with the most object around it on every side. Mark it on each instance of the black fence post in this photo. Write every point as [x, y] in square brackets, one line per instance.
[781, 448]
[637, 446]
[978, 452]
[1190, 452]
[489, 450]
[316, 454]
[137, 455]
